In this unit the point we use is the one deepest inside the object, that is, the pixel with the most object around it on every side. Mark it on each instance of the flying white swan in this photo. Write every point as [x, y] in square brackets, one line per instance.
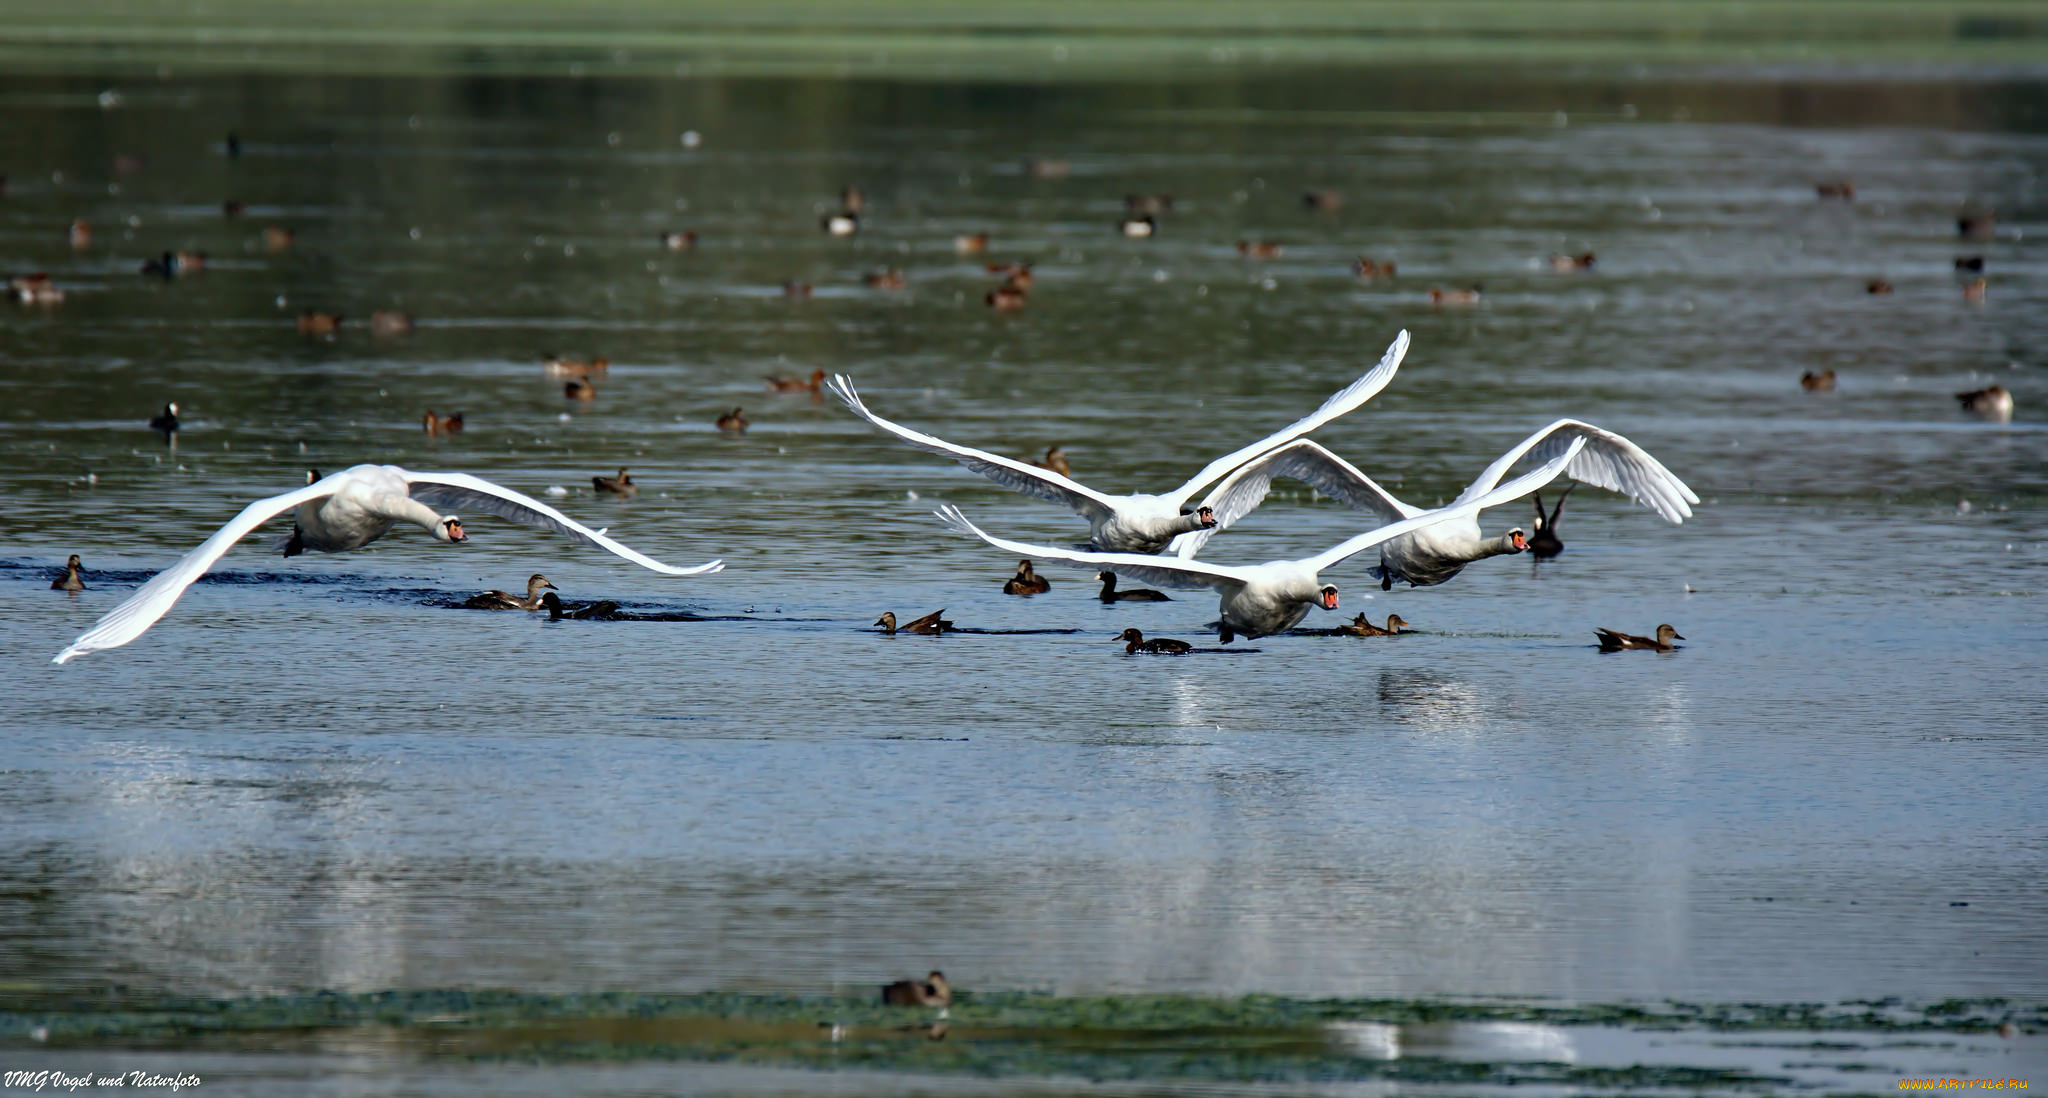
[1137, 523]
[1273, 597]
[1442, 549]
[348, 510]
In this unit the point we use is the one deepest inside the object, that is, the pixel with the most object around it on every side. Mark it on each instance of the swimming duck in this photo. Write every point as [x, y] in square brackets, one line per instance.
[1263, 599]
[1014, 274]
[843, 223]
[888, 278]
[1877, 287]
[851, 200]
[1973, 291]
[569, 367]
[313, 322]
[1138, 228]
[1147, 205]
[1821, 382]
[1007, 298]
[1611, 641]
[733, 422]
[587, 612]
[621, 485]
[1977, 225]
[1969, 263]
[1109, 593]
[166, 421]
[277, 238]
[441, 425]
[582, 389]
[1840, 188]
[1139, 522]
[1359, 627]
[499, 600]
[1367, 268]
[930, 991]
[796, 384]
[175, 264]
[1440, 296]
[798, 290]
[1135, 643]
[1544, 543]
[1055, 460]
[390, 322]
[930, 625]
[1564, 263]
[970, 243]
[34, 289]
[71, 580]
[346, 511]
[1323, 200]
[1991, 403]
[1026, 582]
[1258, 249]
[1443, 548]
[679, 241]
[80, 235]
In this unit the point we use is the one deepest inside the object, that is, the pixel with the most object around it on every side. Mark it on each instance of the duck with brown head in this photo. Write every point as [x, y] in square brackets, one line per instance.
[500, 600]
[930, 625]
[1611, 641]
[928, 992]
[72, 579]
[1026, 582]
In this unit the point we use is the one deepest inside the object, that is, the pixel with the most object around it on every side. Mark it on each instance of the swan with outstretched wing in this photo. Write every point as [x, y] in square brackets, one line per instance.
[1437, 552]
[1136, 523]
[348, 510]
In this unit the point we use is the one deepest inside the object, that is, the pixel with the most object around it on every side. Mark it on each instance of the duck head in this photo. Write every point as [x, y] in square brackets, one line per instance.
[74, 564]
[887, 621]
[450, 529]
[535, 582]
[1328, 593]
[1395, 624]
[1666, 634]
[1132, 636]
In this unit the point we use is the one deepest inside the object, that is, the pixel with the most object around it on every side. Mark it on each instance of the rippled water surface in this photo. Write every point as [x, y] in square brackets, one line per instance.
[315, 774]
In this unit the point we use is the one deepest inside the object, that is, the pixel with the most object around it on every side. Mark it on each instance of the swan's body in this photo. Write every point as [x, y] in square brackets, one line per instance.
[1440, 550]
[502, 600]
[1273, 597]
[348, 511]
[1136, 523]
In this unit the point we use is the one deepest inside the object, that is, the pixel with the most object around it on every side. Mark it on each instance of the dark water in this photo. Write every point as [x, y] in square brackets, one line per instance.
[311, 775]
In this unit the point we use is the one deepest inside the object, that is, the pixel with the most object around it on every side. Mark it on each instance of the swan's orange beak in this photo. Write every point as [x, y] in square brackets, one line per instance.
[455, 533]
[1329, 600]
[1207, 516]
[1520, 543]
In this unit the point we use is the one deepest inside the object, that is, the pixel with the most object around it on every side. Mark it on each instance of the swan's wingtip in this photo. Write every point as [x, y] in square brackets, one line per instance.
[67, 655]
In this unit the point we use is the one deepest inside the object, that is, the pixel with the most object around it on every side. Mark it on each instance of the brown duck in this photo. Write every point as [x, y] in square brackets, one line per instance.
[621, 485]
[733, 422]
[796, 384]
[71, 580]
[1056, 460]
[441, 425]
[1007, 298]
[930, 625]
[499, 600]
[1026, 582]
[1109, 592]
[578, 388]
[588, 611]
[930, 991]
[390, 322]
[1611, 641]
[1135, 643]
[1820, 382]
[313, 322]
[1359, 627]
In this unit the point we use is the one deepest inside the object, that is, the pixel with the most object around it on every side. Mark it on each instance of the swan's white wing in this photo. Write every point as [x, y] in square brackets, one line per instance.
[1164, 571]
[1304, 461]
[1506, 493]
[1017, 476]
[1608, 461]
[462, 492]
[154, 599]
[1344, 400]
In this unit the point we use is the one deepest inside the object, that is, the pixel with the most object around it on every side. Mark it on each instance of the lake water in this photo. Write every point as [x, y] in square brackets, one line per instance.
[315, 775]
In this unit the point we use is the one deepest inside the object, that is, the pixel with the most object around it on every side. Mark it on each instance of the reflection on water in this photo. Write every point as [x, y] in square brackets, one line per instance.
[307, 776]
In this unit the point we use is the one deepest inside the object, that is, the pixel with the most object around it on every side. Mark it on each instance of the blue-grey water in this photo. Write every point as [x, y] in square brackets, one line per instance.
[314, 774]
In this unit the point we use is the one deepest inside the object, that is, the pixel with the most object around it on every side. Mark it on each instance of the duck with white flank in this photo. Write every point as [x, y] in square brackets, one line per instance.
[930, 991]
[1992, 403]
[1262, 599]
[1136, 523]
[166, 421]
[348, 511]
[1611, 641]
[1109, 593]
[500, 600]
[1135, 642]
[1443, 548]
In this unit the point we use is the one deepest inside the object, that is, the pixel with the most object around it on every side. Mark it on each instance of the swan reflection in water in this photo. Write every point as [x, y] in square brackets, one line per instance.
[1512, 1042]
[1429, 700]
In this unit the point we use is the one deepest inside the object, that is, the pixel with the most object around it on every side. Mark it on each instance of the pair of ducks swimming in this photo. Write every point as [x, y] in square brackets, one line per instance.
[1028, 582]
[534, 599]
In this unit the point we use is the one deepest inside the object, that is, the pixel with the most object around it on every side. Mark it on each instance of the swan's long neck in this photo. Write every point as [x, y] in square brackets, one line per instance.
[1493, 547]
[1184, 523]
[407, 509]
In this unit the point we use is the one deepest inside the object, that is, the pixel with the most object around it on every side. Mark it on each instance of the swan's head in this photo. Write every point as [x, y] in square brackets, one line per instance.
[1204, 514]
[1329, 596]
[450, 529]
[1517, 540]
